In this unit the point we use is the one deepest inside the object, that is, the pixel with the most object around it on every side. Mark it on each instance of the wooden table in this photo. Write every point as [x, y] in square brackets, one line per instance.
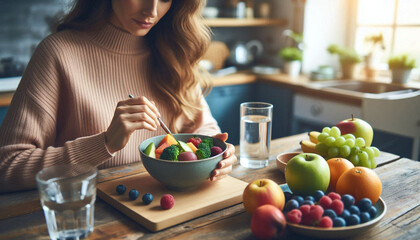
[21, 216]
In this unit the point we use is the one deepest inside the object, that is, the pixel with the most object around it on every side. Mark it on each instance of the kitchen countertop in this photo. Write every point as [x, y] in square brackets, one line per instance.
[301, 84]
[21, 216]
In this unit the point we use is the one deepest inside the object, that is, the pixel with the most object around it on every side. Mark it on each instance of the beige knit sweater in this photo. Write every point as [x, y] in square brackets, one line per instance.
[66, 100]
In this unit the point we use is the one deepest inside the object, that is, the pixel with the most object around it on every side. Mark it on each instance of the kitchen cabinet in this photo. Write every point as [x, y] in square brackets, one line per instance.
[282, 100]
[314, 113]
[224, 103]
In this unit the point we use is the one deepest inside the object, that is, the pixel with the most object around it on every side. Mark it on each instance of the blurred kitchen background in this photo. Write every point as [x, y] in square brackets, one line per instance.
[259, 35]
[262, 38]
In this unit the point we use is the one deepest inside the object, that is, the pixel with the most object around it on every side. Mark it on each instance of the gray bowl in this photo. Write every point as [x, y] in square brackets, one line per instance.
[181, 175]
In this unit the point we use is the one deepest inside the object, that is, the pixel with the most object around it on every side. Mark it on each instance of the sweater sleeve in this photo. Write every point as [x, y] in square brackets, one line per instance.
[28, 132]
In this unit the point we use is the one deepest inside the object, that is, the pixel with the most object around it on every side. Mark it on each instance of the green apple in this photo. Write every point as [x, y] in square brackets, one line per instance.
[357, 127]
[184, 147]
[150, 150]
[306, 173]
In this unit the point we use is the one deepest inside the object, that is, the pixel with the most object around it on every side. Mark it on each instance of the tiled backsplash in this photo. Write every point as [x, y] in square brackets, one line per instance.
[23, 24]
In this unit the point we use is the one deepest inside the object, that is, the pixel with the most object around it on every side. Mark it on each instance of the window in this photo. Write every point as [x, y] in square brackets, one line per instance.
[397, 20]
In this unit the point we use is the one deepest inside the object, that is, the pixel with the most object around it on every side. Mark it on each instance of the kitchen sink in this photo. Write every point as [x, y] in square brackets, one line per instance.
[362, 89]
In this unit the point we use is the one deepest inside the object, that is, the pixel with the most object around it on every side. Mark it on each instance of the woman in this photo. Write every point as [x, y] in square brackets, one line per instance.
[64, 108]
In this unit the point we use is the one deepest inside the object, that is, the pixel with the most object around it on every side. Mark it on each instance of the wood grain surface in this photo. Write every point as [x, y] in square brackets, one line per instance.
[401, 192]
[206, 198]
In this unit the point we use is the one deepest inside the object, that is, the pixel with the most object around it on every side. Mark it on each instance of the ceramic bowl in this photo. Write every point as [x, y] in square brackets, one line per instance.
[180, 175]
[283, 158]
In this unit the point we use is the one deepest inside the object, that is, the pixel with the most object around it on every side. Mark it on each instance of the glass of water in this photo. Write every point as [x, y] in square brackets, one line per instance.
[255, 134]
[68, 194]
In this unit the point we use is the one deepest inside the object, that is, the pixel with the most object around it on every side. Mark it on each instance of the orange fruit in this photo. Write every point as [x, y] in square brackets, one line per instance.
[337, 167]
[360, 182]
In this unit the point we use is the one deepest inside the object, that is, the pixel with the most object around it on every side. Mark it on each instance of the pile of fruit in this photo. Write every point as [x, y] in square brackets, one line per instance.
[350, 139]
[327, 192]
[194, 149]
[326, 211]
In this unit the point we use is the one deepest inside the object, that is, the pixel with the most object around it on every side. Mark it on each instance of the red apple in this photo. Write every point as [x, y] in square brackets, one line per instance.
[261, 192]
[357, 127]
[268, 222]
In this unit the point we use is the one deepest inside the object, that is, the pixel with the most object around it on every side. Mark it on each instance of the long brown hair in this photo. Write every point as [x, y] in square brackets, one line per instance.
[177, 43]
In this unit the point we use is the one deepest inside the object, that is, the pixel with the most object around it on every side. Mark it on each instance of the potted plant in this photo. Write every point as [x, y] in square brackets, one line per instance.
[348, 60]
[292, 57]
[401, 67]
[373, 41]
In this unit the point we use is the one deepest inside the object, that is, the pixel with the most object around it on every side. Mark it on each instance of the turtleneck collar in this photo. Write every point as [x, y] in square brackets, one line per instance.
[118, 40]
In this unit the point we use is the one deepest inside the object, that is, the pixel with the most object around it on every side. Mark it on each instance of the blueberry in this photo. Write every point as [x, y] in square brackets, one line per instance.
[310, 198]
[364, 204]
[318, 195]
[307, 202]
[121, 189]
[364, 217]
[339, 222]
[287, 196]
[299, 199]
[348, 200]
[147, 198]
[330, 213]
[354, 209]
[353, 220]
[345, 214]
[133, 194]
[372, 212]
[290, 205]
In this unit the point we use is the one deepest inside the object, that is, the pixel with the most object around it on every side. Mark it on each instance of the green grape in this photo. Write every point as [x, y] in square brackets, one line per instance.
[350, 143]
[322, 137]
[345, 151]
[376, 150]
[360, 142]
[321, 148]
[326, 130]
[354, 158]
[335, 132]
[330, 141]
[333, 152]
[373, 163]
[340, 141]
[370, 152]
[364, 159]
[355, 150]
[349, 135]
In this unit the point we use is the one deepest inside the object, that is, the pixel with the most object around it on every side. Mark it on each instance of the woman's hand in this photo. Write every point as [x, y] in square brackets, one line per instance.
[225, 166]
[130, 115]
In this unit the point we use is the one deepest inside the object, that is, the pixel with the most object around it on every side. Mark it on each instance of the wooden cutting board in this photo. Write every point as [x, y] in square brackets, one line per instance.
[207, 198]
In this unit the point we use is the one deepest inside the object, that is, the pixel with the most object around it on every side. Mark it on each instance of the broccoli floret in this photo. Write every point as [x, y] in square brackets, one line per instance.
[170, 153]
[203, 151]
[209, 141]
